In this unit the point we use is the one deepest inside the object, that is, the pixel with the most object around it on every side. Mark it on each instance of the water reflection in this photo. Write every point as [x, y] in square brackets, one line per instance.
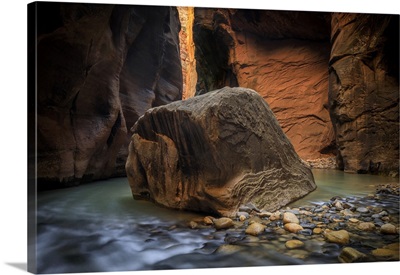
[332, 183]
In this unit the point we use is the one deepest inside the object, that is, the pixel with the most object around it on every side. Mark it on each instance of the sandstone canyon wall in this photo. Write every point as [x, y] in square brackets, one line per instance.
[99, 67]
[281, 54]
[364, 91]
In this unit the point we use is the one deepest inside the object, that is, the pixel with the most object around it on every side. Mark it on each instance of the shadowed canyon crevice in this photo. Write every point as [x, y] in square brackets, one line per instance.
[99, 69]
[364, 92]
[332, 80]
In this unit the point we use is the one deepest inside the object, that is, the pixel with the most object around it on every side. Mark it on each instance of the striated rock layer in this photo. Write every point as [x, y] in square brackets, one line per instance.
[213, 153]
[364, 91]
[283, 56]
[99, 67]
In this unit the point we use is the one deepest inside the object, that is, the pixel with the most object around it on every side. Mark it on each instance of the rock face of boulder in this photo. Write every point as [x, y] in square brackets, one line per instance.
[213, 153]
[364, 91]
[99, 67]
[283, 55]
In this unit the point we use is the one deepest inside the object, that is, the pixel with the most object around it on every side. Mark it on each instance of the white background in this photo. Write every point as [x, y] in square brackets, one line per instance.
[13, 236]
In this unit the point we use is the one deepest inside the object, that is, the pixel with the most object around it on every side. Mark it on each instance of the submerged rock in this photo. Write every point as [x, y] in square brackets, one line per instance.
[388, 229]
[289, 217]
[208, 220]
[339, 237]
[386, 254]
[255, 229]
[351, 255]
[293, 227]
[223, 223]
[214, 153]
[293, 244]
[366, 226]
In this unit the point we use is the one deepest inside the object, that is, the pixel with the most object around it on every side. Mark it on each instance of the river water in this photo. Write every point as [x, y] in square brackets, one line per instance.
[100, 227]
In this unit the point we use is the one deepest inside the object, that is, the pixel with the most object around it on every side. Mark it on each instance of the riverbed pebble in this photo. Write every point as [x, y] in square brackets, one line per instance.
[351, 229]
[393, 246]
[208, 220]
[289, 217]
[255, 229]
[363, 210]
[347, 212]
[306, 232]
[339, 237]
[293, 244]
[229, 248]
[308, 225]
[388, 228]
[241, 213]
[366, 226]
[353, 220]
[317, 230]
[383, 213]
[318, 210]
[293, 227]
[386, 254]
[351, 255]
[338, 205]
[193, 224]
[223, 223]
[275, 216]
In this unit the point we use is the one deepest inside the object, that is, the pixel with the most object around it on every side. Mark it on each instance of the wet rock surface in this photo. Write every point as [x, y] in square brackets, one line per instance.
[219, 153]
[333, 235]
[103, 223]
[255, 229]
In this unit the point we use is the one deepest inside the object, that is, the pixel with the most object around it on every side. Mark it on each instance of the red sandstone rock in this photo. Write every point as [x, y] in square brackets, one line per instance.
[283, 56]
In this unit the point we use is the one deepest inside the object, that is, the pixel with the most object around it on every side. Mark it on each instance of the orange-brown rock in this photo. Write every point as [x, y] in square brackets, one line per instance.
[283, 56]
[214, 153]
[364, 91]
[99, 67]
[187, 48]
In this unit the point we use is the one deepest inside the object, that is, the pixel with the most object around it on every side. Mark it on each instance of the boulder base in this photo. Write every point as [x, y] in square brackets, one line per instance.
[213, 153]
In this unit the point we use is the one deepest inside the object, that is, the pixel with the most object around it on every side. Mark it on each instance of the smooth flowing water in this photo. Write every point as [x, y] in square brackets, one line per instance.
[100, 227]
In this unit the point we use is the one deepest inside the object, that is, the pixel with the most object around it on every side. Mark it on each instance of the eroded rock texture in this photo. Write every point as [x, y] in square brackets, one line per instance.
[99, 68]
[364, 91]
[283, 55]
[214, 152]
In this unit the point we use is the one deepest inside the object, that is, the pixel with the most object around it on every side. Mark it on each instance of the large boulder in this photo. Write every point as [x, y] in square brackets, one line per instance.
[364, 91]
[99, 67]
[213, 153]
